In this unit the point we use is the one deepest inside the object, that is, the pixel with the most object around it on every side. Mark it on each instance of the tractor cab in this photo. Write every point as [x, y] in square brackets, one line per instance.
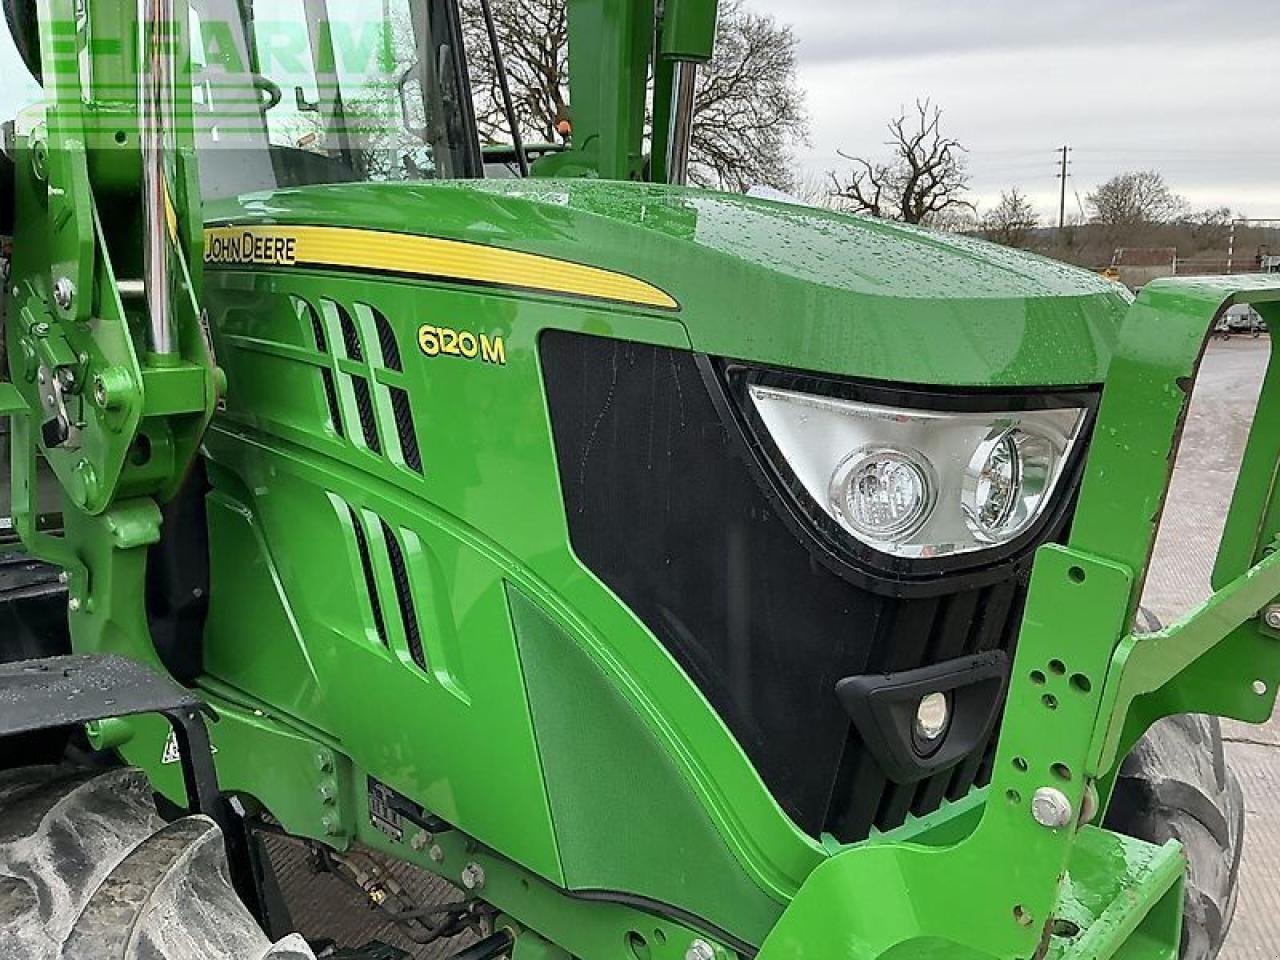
[293, 93]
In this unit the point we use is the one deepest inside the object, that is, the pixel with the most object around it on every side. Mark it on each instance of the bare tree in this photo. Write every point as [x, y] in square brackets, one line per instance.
[812, 189]
[1208, 229]
[1131, 199]
[963, 219]
[534, 38]
[748, 106]
[925, 175]
[1010, 221]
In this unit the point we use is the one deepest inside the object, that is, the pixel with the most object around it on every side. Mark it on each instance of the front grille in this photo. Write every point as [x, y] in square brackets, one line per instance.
[918, 632]
[666, 503]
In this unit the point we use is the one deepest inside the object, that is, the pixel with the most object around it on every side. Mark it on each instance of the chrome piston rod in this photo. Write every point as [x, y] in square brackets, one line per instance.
[683, 84]
[159, 42]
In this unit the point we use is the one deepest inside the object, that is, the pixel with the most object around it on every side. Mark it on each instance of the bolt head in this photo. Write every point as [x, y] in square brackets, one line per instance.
[73, 604]
[1271, 616]
[64, 292]
[420, 840]
[436, 853]
[700, 950]
[472, 876]
[1051, 808]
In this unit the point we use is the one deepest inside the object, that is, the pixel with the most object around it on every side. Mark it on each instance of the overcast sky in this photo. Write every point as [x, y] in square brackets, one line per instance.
[1188, 88]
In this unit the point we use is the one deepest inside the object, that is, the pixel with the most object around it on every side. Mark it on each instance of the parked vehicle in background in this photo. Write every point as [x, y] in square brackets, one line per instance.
[1240, 320]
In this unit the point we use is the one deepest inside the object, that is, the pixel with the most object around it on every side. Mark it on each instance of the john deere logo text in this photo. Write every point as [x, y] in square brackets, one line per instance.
[236, 247]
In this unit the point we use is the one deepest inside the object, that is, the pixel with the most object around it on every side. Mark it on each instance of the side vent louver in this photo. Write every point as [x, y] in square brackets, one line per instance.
[368, 420]
[366, 564]
[317, 330]
[404, 427]
[350, 338]
[331, 397]
[404, 596]
[326, 374]
[380, 556]
[387, 341]
[381, 375]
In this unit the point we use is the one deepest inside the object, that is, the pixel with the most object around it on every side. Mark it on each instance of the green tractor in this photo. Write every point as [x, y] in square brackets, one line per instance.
[675, 575]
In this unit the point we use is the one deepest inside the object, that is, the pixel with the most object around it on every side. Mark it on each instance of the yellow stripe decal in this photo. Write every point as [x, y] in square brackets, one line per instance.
[345, 248]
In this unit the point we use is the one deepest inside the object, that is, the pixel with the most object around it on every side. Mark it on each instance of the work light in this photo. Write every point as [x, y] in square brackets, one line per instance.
[920, 483]
[933, 716]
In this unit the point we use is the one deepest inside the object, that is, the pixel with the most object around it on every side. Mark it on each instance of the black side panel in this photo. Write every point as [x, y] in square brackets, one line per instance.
[178, 580]
[662, 506]
[33, 624]
[663, 511]
[8, 187]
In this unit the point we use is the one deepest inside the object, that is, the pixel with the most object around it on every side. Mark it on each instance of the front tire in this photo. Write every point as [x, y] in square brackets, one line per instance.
[1176, 785]
[90, 871]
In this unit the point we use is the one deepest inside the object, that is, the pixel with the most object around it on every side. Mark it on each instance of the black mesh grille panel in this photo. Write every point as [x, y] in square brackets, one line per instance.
[366, 565]
[404, 428]
[331, 398]
[387, 341]
[404, 596]
[663, 506]
[368, 420]
[317, 330]
[350, 336]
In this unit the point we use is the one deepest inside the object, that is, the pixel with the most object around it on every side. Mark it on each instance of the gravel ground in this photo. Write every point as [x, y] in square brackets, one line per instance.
[1222, 408]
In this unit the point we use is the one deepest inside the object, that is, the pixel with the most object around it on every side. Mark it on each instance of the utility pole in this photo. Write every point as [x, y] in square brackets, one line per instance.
[1062, 201]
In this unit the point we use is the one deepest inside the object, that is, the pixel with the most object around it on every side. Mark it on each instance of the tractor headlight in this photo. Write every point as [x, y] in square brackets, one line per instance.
[921, 483]
[882, 493]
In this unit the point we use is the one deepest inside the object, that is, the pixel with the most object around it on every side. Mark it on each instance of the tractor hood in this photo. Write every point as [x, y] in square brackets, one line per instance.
[763, 281]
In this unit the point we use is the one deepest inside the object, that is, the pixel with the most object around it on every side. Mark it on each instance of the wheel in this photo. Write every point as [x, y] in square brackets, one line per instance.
[1176, 785]
[20, 15]
[90, 871]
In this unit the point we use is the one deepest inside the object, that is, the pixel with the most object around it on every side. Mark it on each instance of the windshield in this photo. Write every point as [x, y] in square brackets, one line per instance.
[296, 92]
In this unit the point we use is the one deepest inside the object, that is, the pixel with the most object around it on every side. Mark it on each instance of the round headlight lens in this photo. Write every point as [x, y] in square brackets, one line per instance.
[1007, 478]
[882, 494]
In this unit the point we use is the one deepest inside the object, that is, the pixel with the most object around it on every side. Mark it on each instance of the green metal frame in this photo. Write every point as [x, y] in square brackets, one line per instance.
[1084, 685]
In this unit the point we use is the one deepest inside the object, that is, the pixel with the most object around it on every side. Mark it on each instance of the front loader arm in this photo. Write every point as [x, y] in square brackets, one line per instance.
[1031, 879]
[102, 324]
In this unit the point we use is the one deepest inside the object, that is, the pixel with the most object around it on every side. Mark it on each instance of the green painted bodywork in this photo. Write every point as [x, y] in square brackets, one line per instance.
[613, 813]
[277, 467]
[770, 282]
